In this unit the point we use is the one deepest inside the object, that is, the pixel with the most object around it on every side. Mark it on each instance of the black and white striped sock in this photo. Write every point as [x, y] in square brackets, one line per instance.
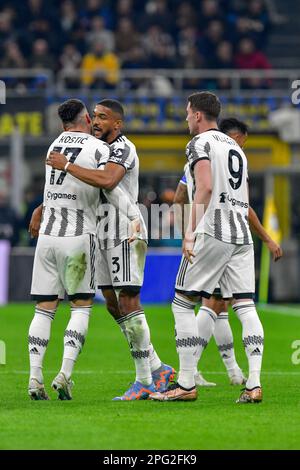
[206, 320]
[74, 337]
[187, 339]
[38, 339]
[253, 339]
[136, 330]
[224, 340]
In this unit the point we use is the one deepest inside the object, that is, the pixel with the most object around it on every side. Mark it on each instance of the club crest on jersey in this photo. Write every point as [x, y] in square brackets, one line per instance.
[117, 153]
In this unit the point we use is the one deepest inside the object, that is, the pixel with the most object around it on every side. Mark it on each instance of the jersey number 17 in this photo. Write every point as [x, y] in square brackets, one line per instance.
[73, 152]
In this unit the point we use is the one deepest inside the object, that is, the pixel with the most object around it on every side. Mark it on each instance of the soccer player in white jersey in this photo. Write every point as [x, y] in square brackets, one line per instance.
[65, 253]
[217, 248]
[237, 130]
[120, 263]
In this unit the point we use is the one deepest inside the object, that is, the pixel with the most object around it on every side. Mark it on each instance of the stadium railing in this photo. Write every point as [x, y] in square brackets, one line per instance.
[44, 80]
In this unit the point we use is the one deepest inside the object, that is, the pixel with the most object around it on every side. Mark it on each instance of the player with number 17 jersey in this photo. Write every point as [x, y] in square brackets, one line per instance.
[65, 254]
[69, 205]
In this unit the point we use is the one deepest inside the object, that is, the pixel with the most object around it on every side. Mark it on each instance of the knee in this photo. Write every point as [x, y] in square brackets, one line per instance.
[111, 303]
[216, 304]
[129, 302]
[113, 308]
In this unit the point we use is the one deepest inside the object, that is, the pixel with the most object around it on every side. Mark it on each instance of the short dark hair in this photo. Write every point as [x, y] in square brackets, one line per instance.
[207, 103]
[114, 105]
[69, 110]
[232, 124]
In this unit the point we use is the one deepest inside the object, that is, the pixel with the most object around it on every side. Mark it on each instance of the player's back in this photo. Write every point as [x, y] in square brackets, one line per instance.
[226, 217]
[69, 204]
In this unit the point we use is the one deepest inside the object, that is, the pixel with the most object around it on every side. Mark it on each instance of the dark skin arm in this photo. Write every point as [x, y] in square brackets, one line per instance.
[106, 179]
[35, 221]
[181, 194]
[181, 199]
[257, 228]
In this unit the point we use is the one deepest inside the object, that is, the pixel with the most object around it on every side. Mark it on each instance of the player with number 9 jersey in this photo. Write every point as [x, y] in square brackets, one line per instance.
[226, 217]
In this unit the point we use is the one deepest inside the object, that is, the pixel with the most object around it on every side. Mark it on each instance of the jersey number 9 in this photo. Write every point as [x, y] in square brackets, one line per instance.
[237, 175]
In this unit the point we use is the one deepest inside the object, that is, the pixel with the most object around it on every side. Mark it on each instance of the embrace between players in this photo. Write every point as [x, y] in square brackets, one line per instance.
[87, 241]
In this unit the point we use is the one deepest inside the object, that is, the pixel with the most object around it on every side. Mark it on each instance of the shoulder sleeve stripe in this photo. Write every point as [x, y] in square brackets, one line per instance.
[117, 163]
[198, 160]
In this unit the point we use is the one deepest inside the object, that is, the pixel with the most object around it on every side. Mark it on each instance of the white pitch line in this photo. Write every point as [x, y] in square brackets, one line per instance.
[280, 310]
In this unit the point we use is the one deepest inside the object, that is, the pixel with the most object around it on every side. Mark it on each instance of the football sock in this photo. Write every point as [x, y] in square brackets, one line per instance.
[187, 339]
[206, 320]
[224, 340]
[74, 338]
[253, 339]
[155, 362]
[38, 339]
[136, 330]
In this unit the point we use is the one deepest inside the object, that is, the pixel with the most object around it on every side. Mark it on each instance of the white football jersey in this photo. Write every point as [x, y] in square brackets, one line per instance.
[188, 180]
[113, 225]
[226, 217]
[69, 206]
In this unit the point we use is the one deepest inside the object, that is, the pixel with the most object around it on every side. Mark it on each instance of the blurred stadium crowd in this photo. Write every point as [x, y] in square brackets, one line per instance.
[110, 35]
[79, 37]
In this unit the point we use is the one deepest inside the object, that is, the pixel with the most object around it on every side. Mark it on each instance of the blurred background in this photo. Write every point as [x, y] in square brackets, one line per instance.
[150, 55]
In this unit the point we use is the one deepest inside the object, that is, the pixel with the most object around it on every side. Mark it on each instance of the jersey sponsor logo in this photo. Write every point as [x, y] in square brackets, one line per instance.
[234, 202]
[72, 139]
[54, 196]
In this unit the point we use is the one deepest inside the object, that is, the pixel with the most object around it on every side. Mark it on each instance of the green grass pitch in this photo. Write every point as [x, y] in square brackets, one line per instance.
[104, 369]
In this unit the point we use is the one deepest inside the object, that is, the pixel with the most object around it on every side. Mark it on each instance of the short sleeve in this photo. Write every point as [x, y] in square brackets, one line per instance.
[183, 180]
[197, 149]
[121, 155]
[102, 154]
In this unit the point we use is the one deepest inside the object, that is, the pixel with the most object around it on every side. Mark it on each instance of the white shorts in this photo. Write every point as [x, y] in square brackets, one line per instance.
[217, 264]
[64, 264]
[122, 266]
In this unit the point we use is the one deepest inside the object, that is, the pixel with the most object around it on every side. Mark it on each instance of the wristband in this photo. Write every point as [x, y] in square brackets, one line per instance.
[66, 166]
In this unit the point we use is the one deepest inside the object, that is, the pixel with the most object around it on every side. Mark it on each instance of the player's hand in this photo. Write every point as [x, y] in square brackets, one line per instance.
[57, 160]
[35, 223]
[188, 246]
[275, 250]
[135, 229]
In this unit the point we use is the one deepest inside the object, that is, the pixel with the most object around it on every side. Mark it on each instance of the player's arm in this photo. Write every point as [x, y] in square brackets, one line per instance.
[181, 200]
[203, 180]
[35, 221]
[105, 179]
[181, 194]
[257, 228]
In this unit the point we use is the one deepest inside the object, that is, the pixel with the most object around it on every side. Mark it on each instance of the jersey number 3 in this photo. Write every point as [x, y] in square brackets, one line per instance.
[73, 152]
[237, 175]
